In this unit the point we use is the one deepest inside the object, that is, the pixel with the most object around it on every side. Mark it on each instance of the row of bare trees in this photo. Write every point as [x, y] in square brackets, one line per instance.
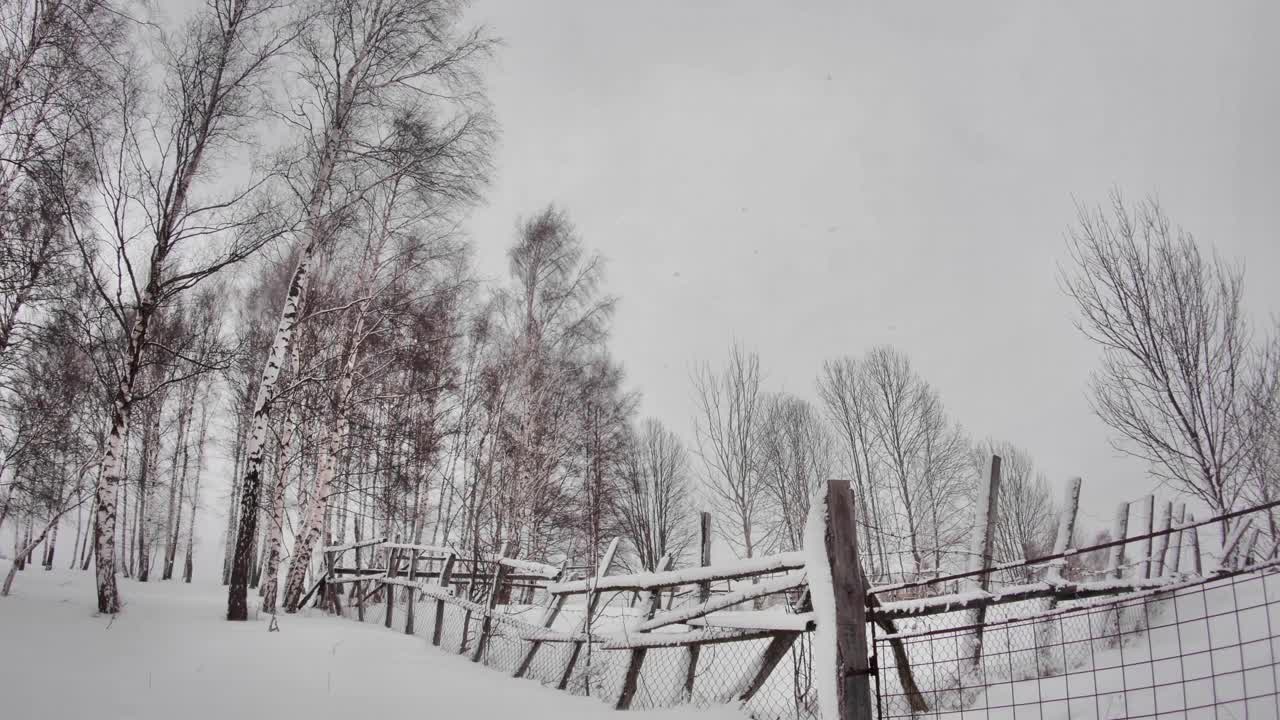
[877, 422]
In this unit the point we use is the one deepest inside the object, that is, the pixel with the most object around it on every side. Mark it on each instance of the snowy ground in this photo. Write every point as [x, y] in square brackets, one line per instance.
[171, 655]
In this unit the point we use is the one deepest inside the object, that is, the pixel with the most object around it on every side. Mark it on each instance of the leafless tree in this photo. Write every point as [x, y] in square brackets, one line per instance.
[57, 58]
[727, 427]
[922, 452]
[843, 388]
[653, 505]
[796, 458]
[1175, 346]
[1262, 458]
[165, 225]
[387, 94]
[895, 393]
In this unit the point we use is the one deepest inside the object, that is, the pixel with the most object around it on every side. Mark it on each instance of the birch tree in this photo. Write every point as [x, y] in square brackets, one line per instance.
[57, 60]
[165, 225]
[387, 91]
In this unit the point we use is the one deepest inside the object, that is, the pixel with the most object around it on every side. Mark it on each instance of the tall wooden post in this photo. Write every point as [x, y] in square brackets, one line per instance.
[648, 606]
[1195, 545]
[446, 577]
[593, 598]
[1148, 546]
[1066, 529]
[495, 589]
[357, 588]
[551, 608]
[982, 549]
[1174, 563]
[411, 594]
[389, 595]
[853, 672]
[1119, 531]
[704, 594]
[1162, 543]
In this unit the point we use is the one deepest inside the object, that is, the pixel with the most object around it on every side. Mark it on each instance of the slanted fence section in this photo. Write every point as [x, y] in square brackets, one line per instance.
[1152, 623]
[715, 633]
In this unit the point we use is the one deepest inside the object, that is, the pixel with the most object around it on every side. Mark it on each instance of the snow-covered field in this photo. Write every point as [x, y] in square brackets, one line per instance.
[170, 655]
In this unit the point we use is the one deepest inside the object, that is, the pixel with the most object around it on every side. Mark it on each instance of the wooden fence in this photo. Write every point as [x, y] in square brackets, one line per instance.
[814, 607]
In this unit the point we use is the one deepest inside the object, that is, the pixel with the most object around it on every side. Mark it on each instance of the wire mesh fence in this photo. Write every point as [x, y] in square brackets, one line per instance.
[665, 678]
[1202, 648]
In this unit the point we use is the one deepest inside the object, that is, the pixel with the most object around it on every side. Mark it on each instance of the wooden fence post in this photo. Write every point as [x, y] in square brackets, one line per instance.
[1195, 545]
[853, 672]
[648, 606]
[1242, 559]
[491, 603]
[446, 576]
[1147, 545]
[356, 590]
[411, 593]
[1064, 541]
[982, 548]
[1162, 543]
[1119, 531]
[550, 611]
[1174, 563]
[1066, 529]
[332, 593]
[389, 594]
[704, 594]
[593, 597]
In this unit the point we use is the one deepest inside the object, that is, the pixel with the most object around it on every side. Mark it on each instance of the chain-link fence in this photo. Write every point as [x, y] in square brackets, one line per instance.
[710, 674]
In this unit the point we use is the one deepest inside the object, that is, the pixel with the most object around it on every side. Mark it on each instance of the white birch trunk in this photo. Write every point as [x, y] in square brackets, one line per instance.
[237, 608]
[112, 470]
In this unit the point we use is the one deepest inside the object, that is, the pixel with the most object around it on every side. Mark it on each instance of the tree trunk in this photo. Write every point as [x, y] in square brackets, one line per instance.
[52, 544]
[237, 604]
[195, 494]
[31, 544]
[112, 464]
[275, 526]
[233, 505]
[311, 528]
[177, 479]
[150, 441]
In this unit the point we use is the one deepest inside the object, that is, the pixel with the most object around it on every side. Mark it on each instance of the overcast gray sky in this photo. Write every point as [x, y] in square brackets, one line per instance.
[823, 178]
